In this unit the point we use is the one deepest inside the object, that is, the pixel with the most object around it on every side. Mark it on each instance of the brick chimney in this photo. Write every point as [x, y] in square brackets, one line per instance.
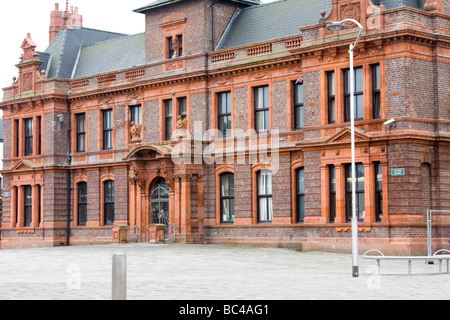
[60, 20]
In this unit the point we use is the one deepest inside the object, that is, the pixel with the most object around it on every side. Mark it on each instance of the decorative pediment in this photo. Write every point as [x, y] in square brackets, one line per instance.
[24, 165]
[344, 135]
[28, 46]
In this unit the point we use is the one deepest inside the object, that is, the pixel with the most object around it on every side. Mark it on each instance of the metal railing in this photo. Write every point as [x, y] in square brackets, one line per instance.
[136, 230]
[171, 236]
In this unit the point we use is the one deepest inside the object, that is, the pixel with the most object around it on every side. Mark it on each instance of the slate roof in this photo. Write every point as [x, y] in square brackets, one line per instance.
[272, 21]
[84, 52]
[60, 56]
[116, 54]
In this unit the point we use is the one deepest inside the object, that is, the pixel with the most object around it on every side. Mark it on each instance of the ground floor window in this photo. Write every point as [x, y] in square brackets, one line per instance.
[301, 195]
[82, 203]
[264, 192]
[109, 203]
[28, 206]
[360, 205]
[227, 198]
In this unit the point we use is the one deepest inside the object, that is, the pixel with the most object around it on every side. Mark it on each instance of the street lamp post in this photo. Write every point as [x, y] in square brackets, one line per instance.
[337, 26]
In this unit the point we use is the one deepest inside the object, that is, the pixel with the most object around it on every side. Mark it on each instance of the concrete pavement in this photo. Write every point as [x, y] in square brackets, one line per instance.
[209, 272]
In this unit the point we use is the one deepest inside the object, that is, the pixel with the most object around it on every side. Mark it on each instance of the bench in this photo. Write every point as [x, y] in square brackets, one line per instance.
[435, 256]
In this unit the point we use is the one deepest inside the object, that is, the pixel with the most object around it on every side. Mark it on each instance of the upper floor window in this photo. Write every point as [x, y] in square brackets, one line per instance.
[376, 99]
[298, 106]
[174, 46]
[168, 119]
[39, 128]
[136, 114]
[182, 107]
[180, 45]
[81, 132]
[107, 129]
[331, 97]
[358, 94]
[170, 48]
[261, 96]
[224, 113]
[28, 137]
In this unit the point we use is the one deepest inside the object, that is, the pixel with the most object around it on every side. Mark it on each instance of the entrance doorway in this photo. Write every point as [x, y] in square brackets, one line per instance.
[159, 205]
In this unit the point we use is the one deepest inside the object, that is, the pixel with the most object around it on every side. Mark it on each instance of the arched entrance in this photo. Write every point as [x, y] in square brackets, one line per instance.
[159, 205]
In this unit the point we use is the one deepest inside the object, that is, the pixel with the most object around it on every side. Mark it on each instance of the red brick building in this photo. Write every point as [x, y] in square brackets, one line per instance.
[229, 122]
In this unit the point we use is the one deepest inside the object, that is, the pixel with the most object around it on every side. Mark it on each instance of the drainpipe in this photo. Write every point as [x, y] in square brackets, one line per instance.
[68, 163]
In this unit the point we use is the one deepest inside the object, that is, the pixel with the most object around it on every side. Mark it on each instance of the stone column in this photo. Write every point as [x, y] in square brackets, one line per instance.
[340, 194]
[35, 206]
[20, 205]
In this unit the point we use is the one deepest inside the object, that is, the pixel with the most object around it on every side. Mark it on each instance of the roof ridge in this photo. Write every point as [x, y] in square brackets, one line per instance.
[92, 29]
[61, 53]
[113, 39]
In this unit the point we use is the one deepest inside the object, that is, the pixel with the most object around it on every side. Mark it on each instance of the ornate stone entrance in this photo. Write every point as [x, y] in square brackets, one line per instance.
[162, 193]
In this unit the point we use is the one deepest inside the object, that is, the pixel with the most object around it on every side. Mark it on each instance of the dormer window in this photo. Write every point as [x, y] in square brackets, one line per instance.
[170, 48]
[174, 46]
[180, 45]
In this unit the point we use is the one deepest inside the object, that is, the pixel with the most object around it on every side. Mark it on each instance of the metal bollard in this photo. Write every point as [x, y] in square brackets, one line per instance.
[119, 276]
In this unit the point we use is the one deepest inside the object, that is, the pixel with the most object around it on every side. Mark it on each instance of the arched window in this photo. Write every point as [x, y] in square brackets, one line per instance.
[82, 203]
[109, 200]
[264, 193]
[227, 198]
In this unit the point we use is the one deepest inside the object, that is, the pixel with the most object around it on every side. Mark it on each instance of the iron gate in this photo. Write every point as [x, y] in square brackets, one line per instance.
[159, 205]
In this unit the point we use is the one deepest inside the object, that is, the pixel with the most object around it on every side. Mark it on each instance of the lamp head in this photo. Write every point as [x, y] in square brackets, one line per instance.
[336, 26]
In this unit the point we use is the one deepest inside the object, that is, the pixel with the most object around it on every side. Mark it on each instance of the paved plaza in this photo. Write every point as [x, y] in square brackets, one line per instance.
[209, 272]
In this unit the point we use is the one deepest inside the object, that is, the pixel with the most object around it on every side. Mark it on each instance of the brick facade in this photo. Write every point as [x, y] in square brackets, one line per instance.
[414, 90]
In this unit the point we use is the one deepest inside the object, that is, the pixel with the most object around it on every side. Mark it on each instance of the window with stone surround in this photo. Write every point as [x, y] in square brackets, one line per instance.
[82, 203]
[298, 106]
[360, 203]
[358, 94]
[109, 203]
[182, 107]
[300, 173]
[168, 119]
[264, 196]
[332, 173]
[107, 129]
[378, 191]
[28, 124]
[227, 197]
[28, 206]
[376, 91]
[136, 114]
[224, 113]
[261, 108]
[331, 97]
[81, 132]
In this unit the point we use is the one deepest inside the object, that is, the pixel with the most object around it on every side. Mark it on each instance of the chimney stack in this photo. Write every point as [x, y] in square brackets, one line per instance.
[60, 20]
